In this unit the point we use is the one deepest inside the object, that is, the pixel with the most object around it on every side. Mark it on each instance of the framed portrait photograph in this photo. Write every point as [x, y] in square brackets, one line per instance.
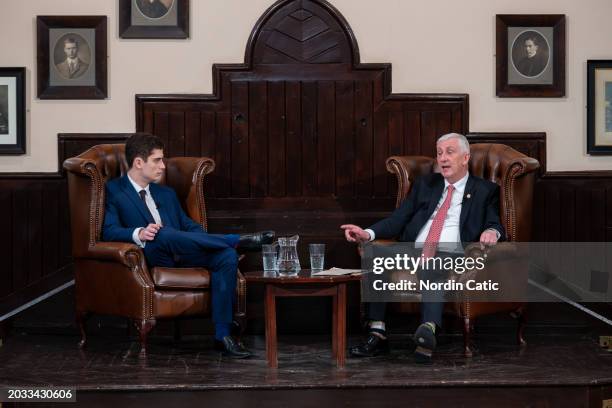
[12, 111]
[72, 57]
[530, 55]
[599, 107]
[154, 18]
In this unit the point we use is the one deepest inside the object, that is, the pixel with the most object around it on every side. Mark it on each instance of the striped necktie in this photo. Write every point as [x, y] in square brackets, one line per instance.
[433, 237]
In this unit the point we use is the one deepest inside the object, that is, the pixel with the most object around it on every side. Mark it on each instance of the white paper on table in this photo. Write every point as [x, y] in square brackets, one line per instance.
[336, 272]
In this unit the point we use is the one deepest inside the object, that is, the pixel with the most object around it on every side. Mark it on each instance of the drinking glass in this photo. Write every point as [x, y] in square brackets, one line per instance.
[317, 256]
[269, 256]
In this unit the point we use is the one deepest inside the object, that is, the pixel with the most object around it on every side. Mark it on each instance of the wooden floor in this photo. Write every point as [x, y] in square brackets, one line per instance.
[553, 370]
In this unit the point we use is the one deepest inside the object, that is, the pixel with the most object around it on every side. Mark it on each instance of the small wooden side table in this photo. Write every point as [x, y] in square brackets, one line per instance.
[304, 284]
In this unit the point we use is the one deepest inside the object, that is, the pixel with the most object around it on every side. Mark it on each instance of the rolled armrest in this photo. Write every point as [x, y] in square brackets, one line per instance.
[506, 264]
[529, 164]
[126, 254]
[384, 241]
[115, 252]
[77, 165]
[502, 256]
[525, 164]
[498, 252]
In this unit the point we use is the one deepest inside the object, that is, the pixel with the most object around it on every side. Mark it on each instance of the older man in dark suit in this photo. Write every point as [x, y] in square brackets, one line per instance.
[450, 207]
[535, 61]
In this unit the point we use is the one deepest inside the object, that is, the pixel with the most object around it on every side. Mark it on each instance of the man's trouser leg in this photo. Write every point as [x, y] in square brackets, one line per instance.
[432, 301]
[222, 263]
[376, 311]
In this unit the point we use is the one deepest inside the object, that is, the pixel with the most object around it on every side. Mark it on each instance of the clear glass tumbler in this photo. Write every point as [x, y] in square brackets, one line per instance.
[317, 256]
[269, 255]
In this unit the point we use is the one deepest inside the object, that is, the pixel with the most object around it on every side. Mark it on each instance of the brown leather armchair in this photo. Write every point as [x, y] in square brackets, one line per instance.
[515, 174]
[112, 277]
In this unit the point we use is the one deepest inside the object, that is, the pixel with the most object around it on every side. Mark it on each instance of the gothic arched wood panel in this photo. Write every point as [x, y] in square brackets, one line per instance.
[302, 32]
[301, 129]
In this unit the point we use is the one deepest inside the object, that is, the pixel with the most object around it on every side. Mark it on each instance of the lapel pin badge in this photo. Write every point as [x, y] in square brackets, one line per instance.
[468, 196]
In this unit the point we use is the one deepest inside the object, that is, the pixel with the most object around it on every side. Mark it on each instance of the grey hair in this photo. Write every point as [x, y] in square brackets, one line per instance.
[463, 142]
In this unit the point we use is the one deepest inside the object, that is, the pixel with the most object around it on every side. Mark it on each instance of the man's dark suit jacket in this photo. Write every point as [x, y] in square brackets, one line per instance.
[478, 212]
[126, 211]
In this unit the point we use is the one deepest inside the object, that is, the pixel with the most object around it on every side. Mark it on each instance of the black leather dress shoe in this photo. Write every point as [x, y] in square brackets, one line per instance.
[253, 242]
[425, 340]
[373, 346]
[232, 348]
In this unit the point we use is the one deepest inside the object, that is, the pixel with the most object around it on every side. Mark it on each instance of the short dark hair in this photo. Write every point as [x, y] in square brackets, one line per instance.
[71, 40]
[141, 145]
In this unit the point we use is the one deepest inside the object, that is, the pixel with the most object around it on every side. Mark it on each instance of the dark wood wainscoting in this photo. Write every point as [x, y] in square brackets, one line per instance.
[573, 207]
[35, 243]
[35, 239]
[569, 206]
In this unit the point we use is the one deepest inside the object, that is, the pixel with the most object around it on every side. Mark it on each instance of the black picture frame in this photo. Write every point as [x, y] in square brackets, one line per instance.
[530, 76]
[176, 25]
[12, 111]
[599, 116]
[96, 87]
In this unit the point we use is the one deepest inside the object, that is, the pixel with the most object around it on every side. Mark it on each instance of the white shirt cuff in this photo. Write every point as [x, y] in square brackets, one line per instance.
[137, 240]
[372, 234]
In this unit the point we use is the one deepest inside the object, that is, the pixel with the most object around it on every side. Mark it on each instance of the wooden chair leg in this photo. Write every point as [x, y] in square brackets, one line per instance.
[81, 320]
[238, 325]
[521, 316]
[467, 337]
[144, 326]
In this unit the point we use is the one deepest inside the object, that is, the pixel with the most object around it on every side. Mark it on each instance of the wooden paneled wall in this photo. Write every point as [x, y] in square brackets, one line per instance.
[300, 133]
[34, 243]
[301, 139]
[301, 157]
[573, 207]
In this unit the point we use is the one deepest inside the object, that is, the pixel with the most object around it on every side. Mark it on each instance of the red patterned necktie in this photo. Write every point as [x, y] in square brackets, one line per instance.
[433, 237]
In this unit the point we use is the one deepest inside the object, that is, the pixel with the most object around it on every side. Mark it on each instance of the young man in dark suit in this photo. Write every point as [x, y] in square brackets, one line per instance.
[73, 66]
[442, 211]
[139, 210]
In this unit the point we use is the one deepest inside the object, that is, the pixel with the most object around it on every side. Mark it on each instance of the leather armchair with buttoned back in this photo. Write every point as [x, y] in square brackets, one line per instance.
[112, 277]
[515, 174]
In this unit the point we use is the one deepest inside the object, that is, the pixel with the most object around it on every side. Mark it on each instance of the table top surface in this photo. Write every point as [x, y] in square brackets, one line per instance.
[304, 276]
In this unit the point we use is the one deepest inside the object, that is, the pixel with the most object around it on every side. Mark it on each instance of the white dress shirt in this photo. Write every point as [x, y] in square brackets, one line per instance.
[450, 238]
[152, 207]
[73, 65]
